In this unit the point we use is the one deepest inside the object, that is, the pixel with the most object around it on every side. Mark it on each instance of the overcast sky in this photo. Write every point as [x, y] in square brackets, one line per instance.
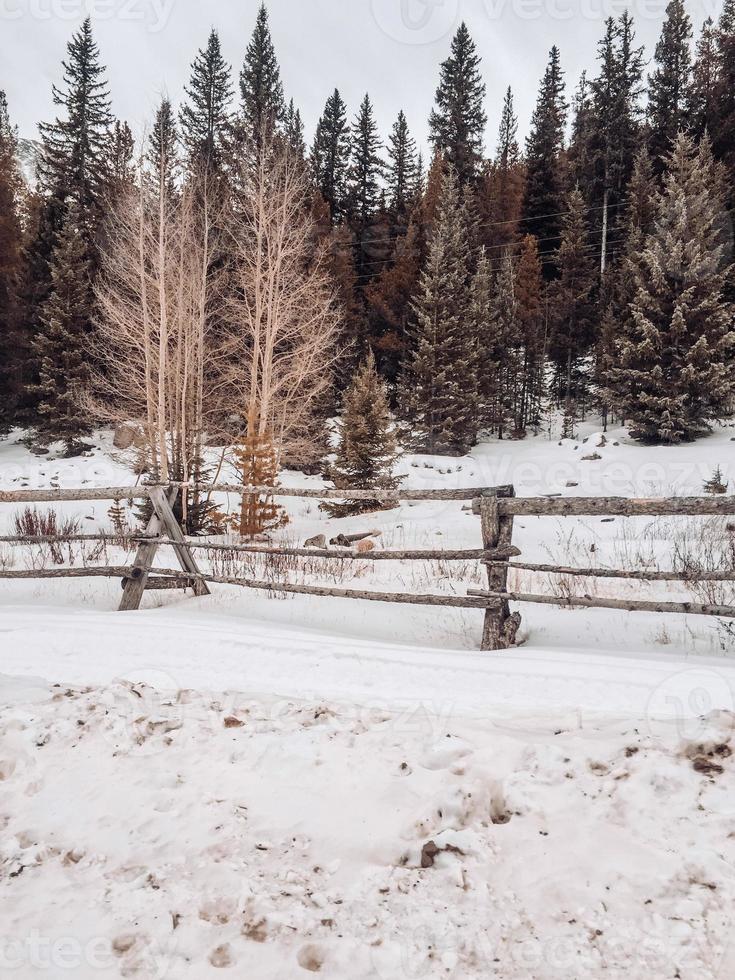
[389, 48]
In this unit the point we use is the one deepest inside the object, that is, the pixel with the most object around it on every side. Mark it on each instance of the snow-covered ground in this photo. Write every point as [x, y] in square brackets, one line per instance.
[253, 786]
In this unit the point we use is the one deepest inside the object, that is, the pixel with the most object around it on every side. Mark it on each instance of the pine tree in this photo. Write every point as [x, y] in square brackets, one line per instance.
[702, 108]
[263, 104]
[368, 450]
[614, 132]
[529, 295]
[669, 85]
[10, 269]
[403, 168]
[544, 200]
[501, 190]
[205, 120]
[163, 148]
[495, 322]
[330, 155]
[121, 165]
[293, 129]
[457, 123]
[366, 167]
[441, 381]
[74, 152]
[573, 308]
[388, 299]
[61, 346]
[723, 129]
[675, 359]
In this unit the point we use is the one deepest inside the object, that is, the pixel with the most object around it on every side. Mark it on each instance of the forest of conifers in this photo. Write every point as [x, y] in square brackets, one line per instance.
[219, 281]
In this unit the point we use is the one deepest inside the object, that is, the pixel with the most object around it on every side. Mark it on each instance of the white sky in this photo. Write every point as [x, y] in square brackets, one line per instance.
[390, 48]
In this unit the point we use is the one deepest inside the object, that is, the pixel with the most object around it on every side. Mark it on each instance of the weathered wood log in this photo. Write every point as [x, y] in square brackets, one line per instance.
[162, 584]
[452, 601]
[467, 554]
[500, 627]
[628, 605]
[110, 538]
[618, 507]
[640, 576]
[43, 573]
[352, 494]
[57, 496]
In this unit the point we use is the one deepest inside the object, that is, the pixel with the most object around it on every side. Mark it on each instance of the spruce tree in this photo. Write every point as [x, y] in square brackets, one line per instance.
[702, 108]
[330, 155]
[614, 132]
[457, 123]
[674, 374]
[501, 190]
[723, 129]
[669, 85]
[544, 198]
[402, 169]
[441, 382]
[293, 130]
[495, 321]
[10, 268]
[529, 295]
[263, 105]
[205, 119]
[121, 165]
[163, 148]
[366, 166]
[74, 153]
[573, 309]
[388, 299]
[368, 450]
[61, 345]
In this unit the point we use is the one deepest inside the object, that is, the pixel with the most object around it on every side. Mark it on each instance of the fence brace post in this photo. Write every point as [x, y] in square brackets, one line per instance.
[501, 627]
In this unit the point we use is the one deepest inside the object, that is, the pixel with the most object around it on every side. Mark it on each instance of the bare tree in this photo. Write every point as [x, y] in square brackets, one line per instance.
[159, 295]
[283, 323]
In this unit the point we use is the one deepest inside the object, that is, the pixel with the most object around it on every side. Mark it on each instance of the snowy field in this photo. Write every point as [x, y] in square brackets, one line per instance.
[270, 787]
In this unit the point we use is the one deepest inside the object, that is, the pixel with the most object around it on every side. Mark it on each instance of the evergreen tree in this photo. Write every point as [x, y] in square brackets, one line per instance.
[366, 166]
[495, 322]
[61, 346]
[163, 148]
[723, 129]
[368, 450]
[294, 131]
[572, 308]
[330, 155]
[74, 154]
[614, 132]
[529, 295]
[674, 373]
[457, 123]
[388, 299]
[702, 108]
[501, 190]
[441, 381]
[263, 104]
[669, 93]
[545, 182]
[403, 169]
[10, 268]
[205, 120]
[121, 165]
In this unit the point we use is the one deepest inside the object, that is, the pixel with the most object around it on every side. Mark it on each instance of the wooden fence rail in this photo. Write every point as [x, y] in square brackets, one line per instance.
[497, 507]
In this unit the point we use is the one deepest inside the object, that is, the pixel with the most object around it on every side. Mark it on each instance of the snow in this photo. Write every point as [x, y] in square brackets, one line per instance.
[248, 785]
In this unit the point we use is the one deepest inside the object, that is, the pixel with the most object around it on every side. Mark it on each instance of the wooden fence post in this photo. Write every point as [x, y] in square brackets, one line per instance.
[501, 627]
[162, 520]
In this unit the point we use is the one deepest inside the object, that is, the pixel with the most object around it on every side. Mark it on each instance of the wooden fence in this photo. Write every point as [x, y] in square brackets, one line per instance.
[497, 508]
